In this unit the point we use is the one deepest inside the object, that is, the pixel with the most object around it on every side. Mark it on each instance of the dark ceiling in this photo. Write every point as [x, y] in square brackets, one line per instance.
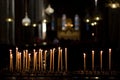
[71, 7]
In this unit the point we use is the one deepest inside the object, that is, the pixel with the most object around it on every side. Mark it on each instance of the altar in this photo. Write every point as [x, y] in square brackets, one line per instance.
[69, 34]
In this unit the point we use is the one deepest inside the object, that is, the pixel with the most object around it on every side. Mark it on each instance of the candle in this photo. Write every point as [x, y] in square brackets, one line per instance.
[16, 59]
[110, 59]
[58, 58]
[20, 61]
[45, 60]
[39, 59]
[61, 59]
[29, 59]
[92, 59]
[53, 57]
[24, 60]
[11, 60]
[84, 55]
[34, 59]
[101, 59]
[65, 59]
[50, 59]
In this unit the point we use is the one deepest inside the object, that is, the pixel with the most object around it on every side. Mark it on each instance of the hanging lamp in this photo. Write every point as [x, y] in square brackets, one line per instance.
[114, 4]
[49, 10]
[9, 16]
[26, 20]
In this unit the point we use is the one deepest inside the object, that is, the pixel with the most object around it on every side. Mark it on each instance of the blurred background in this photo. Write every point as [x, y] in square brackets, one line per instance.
[83, 24]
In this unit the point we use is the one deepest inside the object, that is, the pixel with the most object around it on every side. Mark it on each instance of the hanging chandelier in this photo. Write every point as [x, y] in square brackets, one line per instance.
[93, 20]
[49, 10]
[26, 20]
[9, 16]
[9, 19]
[113, 4]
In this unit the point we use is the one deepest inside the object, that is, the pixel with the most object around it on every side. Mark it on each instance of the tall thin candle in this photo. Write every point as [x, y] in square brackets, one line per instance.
[11, 60]
[29, 60]
[61, 60]
[50, 59]
[39, 59]
[53, 57]
[45, 60]
[24, 60]
[92, 59]
[34, 59]
[65, 59]
[58, 58]
[101, 52]
[20, 61]
[110, 58]
[84, 55]
[16, 59]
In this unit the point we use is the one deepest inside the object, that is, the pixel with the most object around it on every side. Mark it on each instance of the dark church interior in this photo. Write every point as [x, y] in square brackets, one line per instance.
[59, 40]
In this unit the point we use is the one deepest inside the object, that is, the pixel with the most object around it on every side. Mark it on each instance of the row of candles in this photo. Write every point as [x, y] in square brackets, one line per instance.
[101, 61]
[37, 59]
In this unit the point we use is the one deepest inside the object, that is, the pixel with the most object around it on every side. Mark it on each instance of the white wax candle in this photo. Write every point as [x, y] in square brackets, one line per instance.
[110, 58]
[61, 59]
[65, 59]
[50, 59]
[16, 58]
[45, 59]
[58, 58]
[39, 62]
[101, 52]
[20, 60]
[84, 55]
[53, 57]
[92, 59]
[11, 60]
[29, 60]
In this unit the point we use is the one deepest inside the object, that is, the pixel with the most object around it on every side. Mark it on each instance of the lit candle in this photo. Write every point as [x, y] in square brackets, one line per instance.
[45, 60]
[53, 57]
[34, 59]
[61, 59]
[65, 59]
[26, 55]
[29, 59]
[58, 58]
[39, 59]
[16, 59]
[84, 55]
[101, 59]
[92, 59]
[20, 61]
[11, 60]
[110, 59]
[50, 59]
[24, 59]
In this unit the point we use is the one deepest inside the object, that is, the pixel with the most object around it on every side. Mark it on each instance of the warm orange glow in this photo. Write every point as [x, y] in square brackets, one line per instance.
[114, 5]
[9, 19]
